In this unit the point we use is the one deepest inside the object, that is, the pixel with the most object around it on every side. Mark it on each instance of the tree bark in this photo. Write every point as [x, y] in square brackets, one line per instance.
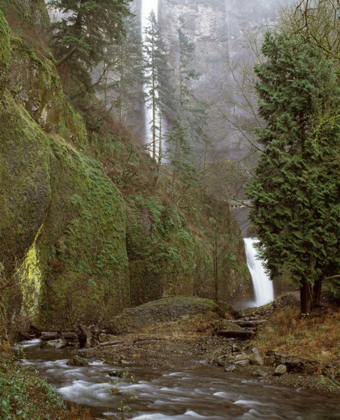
[317, 288]
[306, 298]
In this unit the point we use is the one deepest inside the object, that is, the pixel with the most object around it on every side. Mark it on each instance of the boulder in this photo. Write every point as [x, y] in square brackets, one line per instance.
[256, 359]
[242, 356]
[230, 368]
[54, 344]
[242, 362]
[77, 361]
[269, 361]
[260, 373]
[280, 370]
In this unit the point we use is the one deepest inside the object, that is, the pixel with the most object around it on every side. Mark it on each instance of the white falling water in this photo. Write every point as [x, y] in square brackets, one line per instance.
[148, 6]
[263, 286]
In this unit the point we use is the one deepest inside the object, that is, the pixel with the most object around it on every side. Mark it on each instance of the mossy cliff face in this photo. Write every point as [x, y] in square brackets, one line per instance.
[34, 82]
[5, 52]
[82, 244]
[86, 238]
[62, 225]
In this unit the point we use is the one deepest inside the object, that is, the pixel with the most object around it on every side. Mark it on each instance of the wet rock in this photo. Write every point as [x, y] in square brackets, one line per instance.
[280, 370]
[242, 362]
[230, 368]
[280, 358]
[269, 361]
[260, 373]
[242, 356]
[256, 359]
[77, 361]
[295, 365]
[120, 373]
[235, 348]
[54, 344]
[255, 350]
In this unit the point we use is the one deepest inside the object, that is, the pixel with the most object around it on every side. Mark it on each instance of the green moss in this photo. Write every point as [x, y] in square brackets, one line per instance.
[84, 242]
[5, 51]
[24, 182]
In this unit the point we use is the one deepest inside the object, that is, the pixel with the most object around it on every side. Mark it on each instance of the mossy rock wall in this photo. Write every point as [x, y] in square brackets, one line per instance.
[34, 82]
[5, 51]
[25, 191]
[83, 242]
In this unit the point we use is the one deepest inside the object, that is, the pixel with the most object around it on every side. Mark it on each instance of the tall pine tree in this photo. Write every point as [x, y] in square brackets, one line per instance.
[80, 39]
[158, 80]
[296, 189]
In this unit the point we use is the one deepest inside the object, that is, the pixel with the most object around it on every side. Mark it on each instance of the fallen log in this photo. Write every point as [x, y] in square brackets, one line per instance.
[249, 324]
[49, 335]
[24, 335]
[245, 335]
[111, 343]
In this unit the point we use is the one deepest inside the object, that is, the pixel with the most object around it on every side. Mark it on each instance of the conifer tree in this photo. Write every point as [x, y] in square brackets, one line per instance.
[188, 125]
[81, 37]
[296, 189]
[158, 77]
[125, 71]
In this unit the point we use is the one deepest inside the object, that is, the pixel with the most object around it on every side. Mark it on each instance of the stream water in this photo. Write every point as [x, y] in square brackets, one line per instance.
[206, 392]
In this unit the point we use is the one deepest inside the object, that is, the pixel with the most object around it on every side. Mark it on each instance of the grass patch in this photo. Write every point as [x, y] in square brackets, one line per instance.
[316, 337]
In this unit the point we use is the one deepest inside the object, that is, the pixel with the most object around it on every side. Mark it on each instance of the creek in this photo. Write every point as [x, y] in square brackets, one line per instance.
[206, 392]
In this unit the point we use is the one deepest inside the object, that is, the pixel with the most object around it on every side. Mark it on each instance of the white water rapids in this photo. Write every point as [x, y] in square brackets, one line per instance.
[263, 286]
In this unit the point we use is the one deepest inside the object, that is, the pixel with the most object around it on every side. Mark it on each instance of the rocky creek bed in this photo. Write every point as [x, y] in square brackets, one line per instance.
[180, 361]
[131, 390]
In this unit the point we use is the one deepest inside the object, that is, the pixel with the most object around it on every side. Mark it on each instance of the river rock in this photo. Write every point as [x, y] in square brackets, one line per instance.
[77, 361]
[256, 359]
[242, 362]
[230, 368]
[255, 350]
[54, 344]
[242, 356]
[280, 370]
[260, 373]
[280, 358]
[269, 361]
[235, 348]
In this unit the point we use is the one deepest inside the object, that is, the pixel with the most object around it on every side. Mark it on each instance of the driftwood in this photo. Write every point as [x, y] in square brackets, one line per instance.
[236, 334]
[111, 343]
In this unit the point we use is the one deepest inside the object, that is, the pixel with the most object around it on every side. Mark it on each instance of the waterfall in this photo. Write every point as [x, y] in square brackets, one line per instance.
[263, 286]
[147, 7]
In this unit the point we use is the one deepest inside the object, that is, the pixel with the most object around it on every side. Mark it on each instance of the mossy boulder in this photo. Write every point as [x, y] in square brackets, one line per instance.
[163, 310]
[5, 52]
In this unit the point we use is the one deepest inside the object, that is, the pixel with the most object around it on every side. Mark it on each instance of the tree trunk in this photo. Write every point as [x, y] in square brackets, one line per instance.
[317, 293]
[305, 295]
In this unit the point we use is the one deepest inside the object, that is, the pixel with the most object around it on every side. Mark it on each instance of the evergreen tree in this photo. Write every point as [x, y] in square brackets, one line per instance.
[124, 77]
[296, 189]
[188, 125]
[158, 77]
[80, 39]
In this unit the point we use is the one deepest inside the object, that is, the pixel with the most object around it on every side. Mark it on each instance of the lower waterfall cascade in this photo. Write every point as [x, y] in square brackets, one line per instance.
[263, 286]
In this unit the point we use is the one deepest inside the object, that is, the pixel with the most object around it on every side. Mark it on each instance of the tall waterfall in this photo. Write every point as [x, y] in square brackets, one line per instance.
[147, 7]
[263, 286]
